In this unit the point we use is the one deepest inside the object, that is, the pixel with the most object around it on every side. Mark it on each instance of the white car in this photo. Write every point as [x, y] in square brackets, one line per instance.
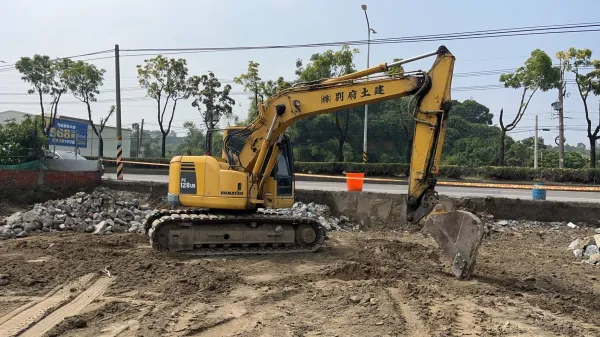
[61, 154]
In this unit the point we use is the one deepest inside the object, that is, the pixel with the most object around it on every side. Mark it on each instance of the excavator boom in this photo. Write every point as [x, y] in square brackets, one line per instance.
[228, 191]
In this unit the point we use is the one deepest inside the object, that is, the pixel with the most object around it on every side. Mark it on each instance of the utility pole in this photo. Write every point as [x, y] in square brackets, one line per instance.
[118, 97]
[141, 135]
[364, 154]
[535, 146]
[561, 129]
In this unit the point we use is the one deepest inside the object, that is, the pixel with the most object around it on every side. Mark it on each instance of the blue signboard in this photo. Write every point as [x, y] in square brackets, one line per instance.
[68, 133]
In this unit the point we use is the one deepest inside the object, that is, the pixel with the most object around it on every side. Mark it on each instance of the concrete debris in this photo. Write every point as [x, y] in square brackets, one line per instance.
[572, 225]
[321, 213]
[102, 211]
[578, 252]
[591, 250]
[597, 230]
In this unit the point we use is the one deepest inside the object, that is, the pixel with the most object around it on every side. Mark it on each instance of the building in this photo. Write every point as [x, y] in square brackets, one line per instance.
[71, 133]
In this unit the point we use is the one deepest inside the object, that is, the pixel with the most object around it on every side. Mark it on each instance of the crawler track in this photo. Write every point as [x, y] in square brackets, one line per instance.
[188, 224]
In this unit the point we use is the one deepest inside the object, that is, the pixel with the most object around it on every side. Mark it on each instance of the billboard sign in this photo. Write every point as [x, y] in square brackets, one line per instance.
[68, 133]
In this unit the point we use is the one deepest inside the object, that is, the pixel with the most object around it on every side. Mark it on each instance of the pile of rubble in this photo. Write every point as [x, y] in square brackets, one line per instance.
[105, 211]
[101, 212]
[587, 249]
[320, 212]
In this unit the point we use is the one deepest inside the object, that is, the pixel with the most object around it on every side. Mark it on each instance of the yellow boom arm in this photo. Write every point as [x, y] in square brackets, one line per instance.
[431, 92]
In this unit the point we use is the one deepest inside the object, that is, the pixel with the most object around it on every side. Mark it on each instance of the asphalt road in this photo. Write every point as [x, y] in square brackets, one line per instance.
[385, 188]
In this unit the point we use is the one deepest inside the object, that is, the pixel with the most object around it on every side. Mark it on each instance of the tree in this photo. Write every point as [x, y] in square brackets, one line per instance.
[84, 80]
[574, 60]
[193, 143]
[472, 111]
[251, 82]
[537, 74]
[22, 142]
[326, 65]
[217, 103]
[164, 78]
[46, 77]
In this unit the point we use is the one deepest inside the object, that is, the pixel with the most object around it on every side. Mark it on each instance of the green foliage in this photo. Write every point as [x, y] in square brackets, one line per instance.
[573, 60]
[165, 79]
[573, 160]
[22, 142]
[217, 103]
[472, 111]
[46, 76]
[84, 81]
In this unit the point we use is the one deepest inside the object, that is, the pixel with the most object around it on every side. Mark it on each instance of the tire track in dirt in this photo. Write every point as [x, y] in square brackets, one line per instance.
[26, 315]
[69, 309]
[39, 316]
[414, 325]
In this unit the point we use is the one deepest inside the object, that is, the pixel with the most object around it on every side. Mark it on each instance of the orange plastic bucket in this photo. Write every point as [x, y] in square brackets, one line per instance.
[356, 184]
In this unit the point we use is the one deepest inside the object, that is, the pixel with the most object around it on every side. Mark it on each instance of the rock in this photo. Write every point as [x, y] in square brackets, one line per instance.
[146, 207]
[22, 234]
[61, 217]
[14, 219]
[598, 230]
[594, 258]
[33, 226]
[133, 229]
[120, 222]
[100, 228]
[591, 249]
[95, 216]
[80, 195]
[47, 223]
[597, 239]
[574, 244]
[344, 218]
[572, 225]
[30, 216]
[355, 299]
[503, 222]
[137, 218]
[62, 226]
[578, 252]
[65, 208]
[69, 221]
[17, 230]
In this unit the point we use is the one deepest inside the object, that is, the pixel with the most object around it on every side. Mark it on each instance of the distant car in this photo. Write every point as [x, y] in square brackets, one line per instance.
[68, 155]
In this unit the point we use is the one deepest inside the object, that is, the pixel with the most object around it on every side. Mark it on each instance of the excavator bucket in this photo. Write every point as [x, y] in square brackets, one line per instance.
[459, 235]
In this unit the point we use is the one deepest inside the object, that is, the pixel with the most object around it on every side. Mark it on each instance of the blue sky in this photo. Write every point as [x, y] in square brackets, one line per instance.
[66, 28]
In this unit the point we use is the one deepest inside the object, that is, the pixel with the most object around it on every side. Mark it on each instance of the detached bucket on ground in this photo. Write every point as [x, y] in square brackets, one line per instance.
[354, 181]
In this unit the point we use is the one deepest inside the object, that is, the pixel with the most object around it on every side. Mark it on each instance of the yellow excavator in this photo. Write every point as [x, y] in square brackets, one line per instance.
[231, 204]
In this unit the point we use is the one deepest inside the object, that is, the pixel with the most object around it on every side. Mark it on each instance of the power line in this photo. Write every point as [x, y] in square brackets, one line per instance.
[506, 32]
[14, 66]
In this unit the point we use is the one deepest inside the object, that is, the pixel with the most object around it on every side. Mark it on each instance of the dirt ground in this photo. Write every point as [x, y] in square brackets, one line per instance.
[361, 284]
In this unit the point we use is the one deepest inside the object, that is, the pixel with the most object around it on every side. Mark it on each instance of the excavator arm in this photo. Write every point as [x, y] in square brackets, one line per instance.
[458, 233]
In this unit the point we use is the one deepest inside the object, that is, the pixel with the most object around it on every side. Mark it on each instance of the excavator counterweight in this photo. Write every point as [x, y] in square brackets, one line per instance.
[232, 201]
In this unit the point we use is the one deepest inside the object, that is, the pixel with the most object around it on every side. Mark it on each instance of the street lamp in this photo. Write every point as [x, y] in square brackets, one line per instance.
[364, 154]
